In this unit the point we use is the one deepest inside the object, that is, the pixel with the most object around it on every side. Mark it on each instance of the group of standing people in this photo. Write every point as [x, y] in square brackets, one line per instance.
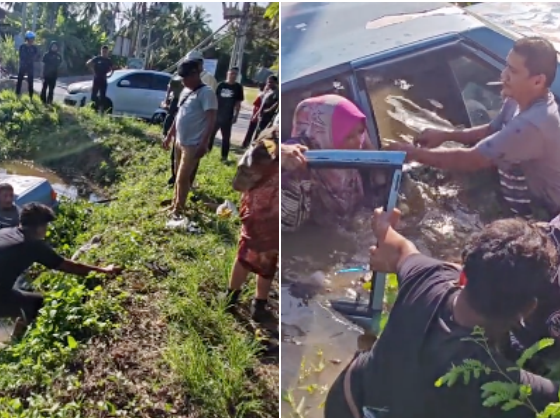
[197, 110]
[101, 65]
[28, 54]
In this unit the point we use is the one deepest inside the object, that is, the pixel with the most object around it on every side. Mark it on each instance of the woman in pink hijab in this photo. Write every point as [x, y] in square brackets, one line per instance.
[323, 196]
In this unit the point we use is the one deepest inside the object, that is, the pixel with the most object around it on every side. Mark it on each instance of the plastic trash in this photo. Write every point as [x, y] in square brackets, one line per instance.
[227, 209]
[183, 224]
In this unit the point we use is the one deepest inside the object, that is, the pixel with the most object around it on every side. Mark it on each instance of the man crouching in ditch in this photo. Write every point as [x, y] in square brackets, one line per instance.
[191, 131]
[20, 248]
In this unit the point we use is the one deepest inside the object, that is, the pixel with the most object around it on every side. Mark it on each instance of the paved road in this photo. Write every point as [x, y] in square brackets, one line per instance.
[239, 129]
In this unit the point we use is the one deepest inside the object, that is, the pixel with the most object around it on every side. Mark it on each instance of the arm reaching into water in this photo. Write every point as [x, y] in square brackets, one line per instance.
[392, 248]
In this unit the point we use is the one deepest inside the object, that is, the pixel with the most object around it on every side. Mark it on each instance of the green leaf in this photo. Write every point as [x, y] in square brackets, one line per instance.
[510, 405]
[533, 350]
[72, 343]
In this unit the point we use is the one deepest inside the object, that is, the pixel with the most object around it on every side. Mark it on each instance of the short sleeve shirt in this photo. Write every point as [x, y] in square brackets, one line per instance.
[192, 118]
[528, 141]
[228, 96]
[102, 66]
[419, 345]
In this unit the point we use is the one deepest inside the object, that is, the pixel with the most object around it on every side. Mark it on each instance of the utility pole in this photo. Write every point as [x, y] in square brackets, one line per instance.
[241, 37]
[23, 18]
[34, 22]
[141, 21]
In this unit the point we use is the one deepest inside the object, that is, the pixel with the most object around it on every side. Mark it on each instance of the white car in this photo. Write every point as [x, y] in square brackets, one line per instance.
[129, 92]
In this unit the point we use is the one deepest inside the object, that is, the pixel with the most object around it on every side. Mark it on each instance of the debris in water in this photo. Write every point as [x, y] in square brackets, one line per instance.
[336, 361]
[318, 278]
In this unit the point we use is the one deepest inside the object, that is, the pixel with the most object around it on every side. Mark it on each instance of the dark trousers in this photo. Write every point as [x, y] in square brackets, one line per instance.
[225, 128]
[23, 71]
[167, 124]
[250, 133]
[47, 93]
[18, 303]
[99, 93]
[264, 121]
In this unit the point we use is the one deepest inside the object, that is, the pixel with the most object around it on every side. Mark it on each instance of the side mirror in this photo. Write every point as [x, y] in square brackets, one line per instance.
[124, 83]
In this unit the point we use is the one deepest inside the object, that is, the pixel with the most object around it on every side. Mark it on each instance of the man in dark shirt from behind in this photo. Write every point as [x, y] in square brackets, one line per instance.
[28, 53]
[506, 265]
[20, 248]
[101, 65]
[230, 97]
[9, 212]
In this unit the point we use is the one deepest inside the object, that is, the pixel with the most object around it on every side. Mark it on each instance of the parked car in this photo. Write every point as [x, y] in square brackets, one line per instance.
[136, 93]
[30, 189]
[407, 66]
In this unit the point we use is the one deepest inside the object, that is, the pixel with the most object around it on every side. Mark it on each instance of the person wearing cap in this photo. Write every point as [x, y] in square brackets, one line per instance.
[207, 78]
[101, 66]
[230, 97]
[28, 53]
[191, 130]
[51, 62]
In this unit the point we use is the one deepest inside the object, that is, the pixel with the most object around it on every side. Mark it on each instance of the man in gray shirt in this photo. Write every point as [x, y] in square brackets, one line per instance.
[9, 212]
[523, 141]
[191, 131]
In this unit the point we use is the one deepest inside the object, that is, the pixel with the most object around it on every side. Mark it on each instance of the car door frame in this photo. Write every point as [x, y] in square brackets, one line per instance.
[156, 96]
[394, 56]
[135, 108]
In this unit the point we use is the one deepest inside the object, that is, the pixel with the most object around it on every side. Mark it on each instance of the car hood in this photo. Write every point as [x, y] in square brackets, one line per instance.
[75, 87]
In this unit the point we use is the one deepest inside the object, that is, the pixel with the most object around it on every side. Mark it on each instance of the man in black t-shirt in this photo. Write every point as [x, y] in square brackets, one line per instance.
[269, 105]
[20, 248]
[230, 97]
[102, 66]
[506, 265]
[28, 53]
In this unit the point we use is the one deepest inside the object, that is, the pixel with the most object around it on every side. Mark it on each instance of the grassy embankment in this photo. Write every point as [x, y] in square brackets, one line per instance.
[156, 341]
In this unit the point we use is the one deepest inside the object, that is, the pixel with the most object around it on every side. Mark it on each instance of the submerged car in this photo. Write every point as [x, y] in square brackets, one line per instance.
[408, 66]
[31, 189]
[136, 93]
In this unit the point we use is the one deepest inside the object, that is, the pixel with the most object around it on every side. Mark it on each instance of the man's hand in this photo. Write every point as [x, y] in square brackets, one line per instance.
[385, 256]
[293, 157]
[112, 270]
[167, 142]
[430, 138]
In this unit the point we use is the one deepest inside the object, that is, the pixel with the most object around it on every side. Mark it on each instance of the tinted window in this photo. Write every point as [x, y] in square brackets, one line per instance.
[160, 82]
[482, 98]
[417, 93]
[137, 81]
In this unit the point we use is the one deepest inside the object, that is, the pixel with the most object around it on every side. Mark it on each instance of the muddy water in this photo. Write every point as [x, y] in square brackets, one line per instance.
[62, 187]
[438, 215]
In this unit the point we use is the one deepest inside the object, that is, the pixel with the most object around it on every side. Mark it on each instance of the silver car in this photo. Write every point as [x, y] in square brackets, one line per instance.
[136, 93]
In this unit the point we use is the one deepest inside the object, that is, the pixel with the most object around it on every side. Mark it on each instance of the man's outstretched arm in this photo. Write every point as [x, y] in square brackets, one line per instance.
[80, 269]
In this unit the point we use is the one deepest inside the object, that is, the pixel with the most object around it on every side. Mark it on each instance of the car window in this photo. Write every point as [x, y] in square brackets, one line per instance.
[414, 94]
[160, 82]
[137, 81]
[291, 99]
[482, 98]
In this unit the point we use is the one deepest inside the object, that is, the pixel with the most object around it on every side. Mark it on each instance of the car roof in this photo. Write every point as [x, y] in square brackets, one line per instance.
[319, 36]
[124, 72]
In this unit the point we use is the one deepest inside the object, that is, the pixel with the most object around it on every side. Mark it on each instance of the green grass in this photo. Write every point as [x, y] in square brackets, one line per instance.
[157, 341]
[251, 94]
